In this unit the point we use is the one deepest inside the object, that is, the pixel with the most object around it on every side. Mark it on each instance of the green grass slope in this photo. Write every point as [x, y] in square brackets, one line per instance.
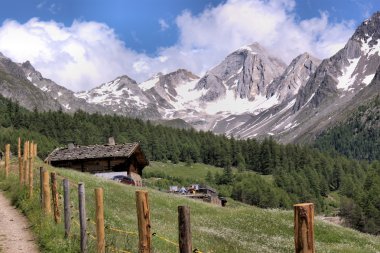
[237, 228]
[195, 172]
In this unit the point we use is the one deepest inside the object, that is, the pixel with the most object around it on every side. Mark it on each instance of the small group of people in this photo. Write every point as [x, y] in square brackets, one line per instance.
[182, 190]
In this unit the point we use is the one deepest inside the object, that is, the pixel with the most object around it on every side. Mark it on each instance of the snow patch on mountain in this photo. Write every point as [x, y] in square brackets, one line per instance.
[46, 89]
[148, 84]
[235, 105]
[367, 80]
[347, 79]
[368, 49]
[187, 93]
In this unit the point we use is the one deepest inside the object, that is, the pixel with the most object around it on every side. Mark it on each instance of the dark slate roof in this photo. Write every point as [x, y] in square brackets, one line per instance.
[93, 152]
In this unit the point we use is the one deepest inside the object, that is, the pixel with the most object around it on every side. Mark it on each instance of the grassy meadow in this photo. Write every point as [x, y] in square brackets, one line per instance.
[235, 228]
[195, 172]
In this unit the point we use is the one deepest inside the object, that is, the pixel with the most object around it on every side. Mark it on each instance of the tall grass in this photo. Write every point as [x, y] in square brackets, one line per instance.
[236, 228]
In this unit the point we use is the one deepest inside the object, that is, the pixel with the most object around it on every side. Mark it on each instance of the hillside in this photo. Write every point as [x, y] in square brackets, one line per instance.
[296, 173]
[236, 228]
[357, 137]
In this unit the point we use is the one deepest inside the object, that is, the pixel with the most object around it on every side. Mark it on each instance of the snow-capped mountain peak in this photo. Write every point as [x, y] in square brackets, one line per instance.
[247, 72]
[250, 93]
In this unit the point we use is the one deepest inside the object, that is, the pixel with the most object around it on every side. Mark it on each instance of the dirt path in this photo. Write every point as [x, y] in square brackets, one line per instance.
[14, 230]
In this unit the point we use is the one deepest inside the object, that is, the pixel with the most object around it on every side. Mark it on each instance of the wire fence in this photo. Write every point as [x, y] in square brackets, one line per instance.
[117, 239]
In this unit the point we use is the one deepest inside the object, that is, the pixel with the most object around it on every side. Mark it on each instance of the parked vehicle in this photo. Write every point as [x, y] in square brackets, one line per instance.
[124, 179]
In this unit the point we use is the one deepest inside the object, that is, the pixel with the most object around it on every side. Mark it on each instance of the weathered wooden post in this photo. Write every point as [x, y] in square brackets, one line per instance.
[304, 228]
[21, 170]
[46, 192]
[184, 229]
[25, 164]
[30, 158]
[143, 218]
[26, 173]
[19, 147]
[54, 192]
[66, 209]
[35, 149]
[19, 160]
[100, 237]
[82, 218]
[41, 187]
[25, 150]
[7, 159]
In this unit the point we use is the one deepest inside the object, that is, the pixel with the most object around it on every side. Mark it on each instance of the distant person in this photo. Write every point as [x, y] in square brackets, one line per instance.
[182, 190]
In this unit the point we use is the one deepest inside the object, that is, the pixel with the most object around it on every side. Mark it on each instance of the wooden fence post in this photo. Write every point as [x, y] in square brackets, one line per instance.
[20, 170]
[101, 245]
[30, 158]
[82, 218]
[54, 193]
[19, 161]
[7, 159]
[25, 150]
[25, 164]
[19, 147]
[143, 218]
[46, 192]
[66, 204]
[35, 149]
[304, 228]
[41, 187]
[26, 173]
[184, 229]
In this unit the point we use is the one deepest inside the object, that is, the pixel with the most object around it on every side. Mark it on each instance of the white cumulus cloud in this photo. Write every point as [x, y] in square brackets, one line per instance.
[86, 54]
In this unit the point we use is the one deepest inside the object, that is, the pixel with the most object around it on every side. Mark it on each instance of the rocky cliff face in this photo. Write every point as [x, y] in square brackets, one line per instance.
[348, 71]
[63, 96]
[15, 85]
[165, 89]
[247, 72]
[295, 76]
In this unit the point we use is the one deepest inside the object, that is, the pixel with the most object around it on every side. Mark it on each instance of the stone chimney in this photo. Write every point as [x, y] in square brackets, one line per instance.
[111, 141]
[70, 145]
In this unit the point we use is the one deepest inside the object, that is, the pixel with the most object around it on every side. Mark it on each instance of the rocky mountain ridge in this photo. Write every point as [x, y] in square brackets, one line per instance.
[15, 85]
[66, 98]
[340, 82]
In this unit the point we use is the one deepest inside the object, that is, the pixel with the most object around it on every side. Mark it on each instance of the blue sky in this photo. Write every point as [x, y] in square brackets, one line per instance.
[82, 43]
